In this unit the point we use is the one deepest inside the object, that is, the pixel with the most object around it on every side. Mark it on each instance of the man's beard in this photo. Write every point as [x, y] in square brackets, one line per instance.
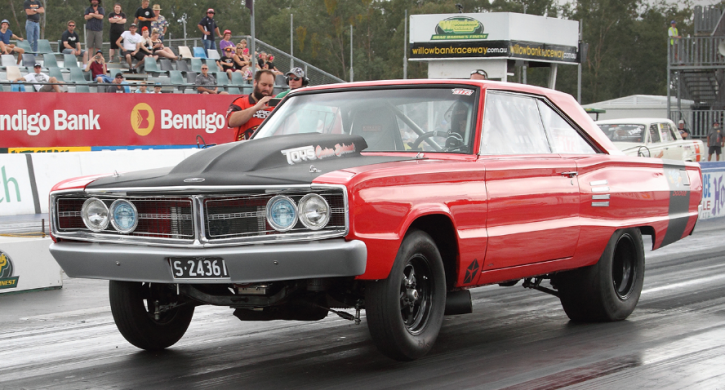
[258, 94]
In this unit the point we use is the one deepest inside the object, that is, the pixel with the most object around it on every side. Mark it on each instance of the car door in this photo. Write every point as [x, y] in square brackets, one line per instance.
[533, 192]
[672, 150]
[654, 141]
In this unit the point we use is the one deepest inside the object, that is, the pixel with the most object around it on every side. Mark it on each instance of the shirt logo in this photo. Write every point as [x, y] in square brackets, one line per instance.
[261, 114]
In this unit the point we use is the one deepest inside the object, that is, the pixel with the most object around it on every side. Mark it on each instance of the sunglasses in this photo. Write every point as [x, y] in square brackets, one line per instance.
[71, 25]
[481, 72]
[294, 79]
[204, 68]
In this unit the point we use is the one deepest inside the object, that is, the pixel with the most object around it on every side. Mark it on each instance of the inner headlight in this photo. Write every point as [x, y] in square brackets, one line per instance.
[124, 216]
[314, 211]
[95, 214]
[281, 213]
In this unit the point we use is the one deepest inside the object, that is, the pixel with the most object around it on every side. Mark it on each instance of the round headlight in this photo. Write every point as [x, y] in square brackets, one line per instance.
[95, 214]
[124, 216]
[314, 211]
[281, 213]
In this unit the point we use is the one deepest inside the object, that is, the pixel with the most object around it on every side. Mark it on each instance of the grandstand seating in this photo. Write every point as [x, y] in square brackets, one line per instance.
[212, 54]
[49, 61]
[70, 61]
[13, 72]
[199, 52]
[177, 79]
[196, 65]
[238, 79]
[25, 46]
[55, 72]
[185, 53]
[44, 46]
[150, 66]
[182, 66]
[8, 60]
[165, 64]
[77, 76]
[28, 60]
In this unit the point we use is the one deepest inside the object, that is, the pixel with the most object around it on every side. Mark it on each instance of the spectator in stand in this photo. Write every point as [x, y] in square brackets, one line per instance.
[97, 67]
[33, 9]
[262, 60]
[715, 142]
[94, 26]
[71, 42]
[144, 15]
[142, 88]
[479, 74]
[147, 48]
[38, 77]
[157, 88]
[242, 61]
[118, 25]
[208, 27]
[131, 47]
[5, 36]
[266, 62]
[226, 41]
[205, 80]
[295, 79]
[158, 48]
[118, 85]
[160, 23]
[684, 132]
[247, 112]
[226, 63]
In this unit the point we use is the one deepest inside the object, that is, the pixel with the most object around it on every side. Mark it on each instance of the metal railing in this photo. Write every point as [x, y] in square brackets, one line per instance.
[696, 52]
[698, 121]
[706, 19]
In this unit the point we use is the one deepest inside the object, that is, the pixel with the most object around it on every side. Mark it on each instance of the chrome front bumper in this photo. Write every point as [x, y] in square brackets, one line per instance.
[245, 264]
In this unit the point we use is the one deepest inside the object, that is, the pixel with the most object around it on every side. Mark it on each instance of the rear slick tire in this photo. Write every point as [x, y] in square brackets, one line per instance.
[610, 289]
[133, 306]
[405, 311]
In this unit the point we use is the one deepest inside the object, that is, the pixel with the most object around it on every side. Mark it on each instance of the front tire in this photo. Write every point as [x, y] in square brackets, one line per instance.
[405, 311]
[134, 306]
[610, 289]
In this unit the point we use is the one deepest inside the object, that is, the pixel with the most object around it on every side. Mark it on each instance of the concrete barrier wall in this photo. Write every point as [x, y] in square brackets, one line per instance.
[26, 179]
[713, 190]
[26, 264]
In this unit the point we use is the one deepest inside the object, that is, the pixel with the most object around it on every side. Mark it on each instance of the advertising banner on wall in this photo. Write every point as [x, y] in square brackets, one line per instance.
[493, 34]
[49, 122]
[713, 190]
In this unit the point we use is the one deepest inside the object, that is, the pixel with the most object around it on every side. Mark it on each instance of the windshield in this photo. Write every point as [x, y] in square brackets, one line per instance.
[432, 119]
[623, 132]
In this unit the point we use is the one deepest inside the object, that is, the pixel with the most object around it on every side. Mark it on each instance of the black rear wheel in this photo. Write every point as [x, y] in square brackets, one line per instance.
[405, 311]
[149, 316]
[610, 289]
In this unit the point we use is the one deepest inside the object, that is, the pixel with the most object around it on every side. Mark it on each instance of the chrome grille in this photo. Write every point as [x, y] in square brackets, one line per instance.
[158, 217]
[245, 216]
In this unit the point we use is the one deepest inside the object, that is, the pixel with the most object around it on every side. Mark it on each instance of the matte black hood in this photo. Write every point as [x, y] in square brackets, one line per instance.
[268, 161]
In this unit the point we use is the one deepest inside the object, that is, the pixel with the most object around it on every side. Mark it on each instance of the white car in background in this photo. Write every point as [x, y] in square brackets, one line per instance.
[651, 137]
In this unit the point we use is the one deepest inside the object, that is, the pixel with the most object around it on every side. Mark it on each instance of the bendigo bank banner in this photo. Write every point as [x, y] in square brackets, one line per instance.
[85, 121]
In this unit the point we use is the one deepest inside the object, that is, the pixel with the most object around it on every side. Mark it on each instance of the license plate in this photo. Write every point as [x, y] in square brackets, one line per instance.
[198, 268]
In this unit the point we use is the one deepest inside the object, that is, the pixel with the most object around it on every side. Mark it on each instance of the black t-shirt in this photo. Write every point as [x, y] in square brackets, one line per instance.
[146, 13]
[209, 25]
[32, 4]
[72, 39]
[117, 28]
[227, 62]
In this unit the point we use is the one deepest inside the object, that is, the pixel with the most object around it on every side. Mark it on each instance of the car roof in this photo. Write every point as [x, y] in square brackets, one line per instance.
[635, 121]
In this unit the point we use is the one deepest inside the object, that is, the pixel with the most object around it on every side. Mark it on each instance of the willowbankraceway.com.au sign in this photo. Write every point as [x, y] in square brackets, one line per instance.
[487, 49]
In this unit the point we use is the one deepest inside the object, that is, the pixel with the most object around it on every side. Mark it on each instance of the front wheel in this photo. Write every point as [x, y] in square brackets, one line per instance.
[149, 316]
[405, 311]
[610, 289]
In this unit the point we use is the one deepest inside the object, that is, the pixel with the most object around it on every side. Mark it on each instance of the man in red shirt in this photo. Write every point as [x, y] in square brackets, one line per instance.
[246, 113]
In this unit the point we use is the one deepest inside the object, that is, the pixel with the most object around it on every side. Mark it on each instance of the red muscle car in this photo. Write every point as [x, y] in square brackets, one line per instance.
[393, 197]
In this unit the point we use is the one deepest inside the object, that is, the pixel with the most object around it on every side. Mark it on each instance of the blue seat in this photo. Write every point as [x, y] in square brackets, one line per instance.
[150, 66]
[238, 80]
[49, 61]
[199, 52]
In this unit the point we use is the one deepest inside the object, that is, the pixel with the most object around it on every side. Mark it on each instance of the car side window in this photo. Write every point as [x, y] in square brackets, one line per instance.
[654, 133]
[564, 138]
[673, 131]
[665, 131]
[512, 125]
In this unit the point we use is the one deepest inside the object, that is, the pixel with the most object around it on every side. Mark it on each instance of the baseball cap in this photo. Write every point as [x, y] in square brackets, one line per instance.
[5, 21]
[99, 51]
[210, 11]
[681, 122]
[144, 28]
[297, 72]
[157, 85]
[480, 72]
[227, 32]
[37, 66]
[132, 25]
[673, 22]
[229, 49]
[119, 75]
